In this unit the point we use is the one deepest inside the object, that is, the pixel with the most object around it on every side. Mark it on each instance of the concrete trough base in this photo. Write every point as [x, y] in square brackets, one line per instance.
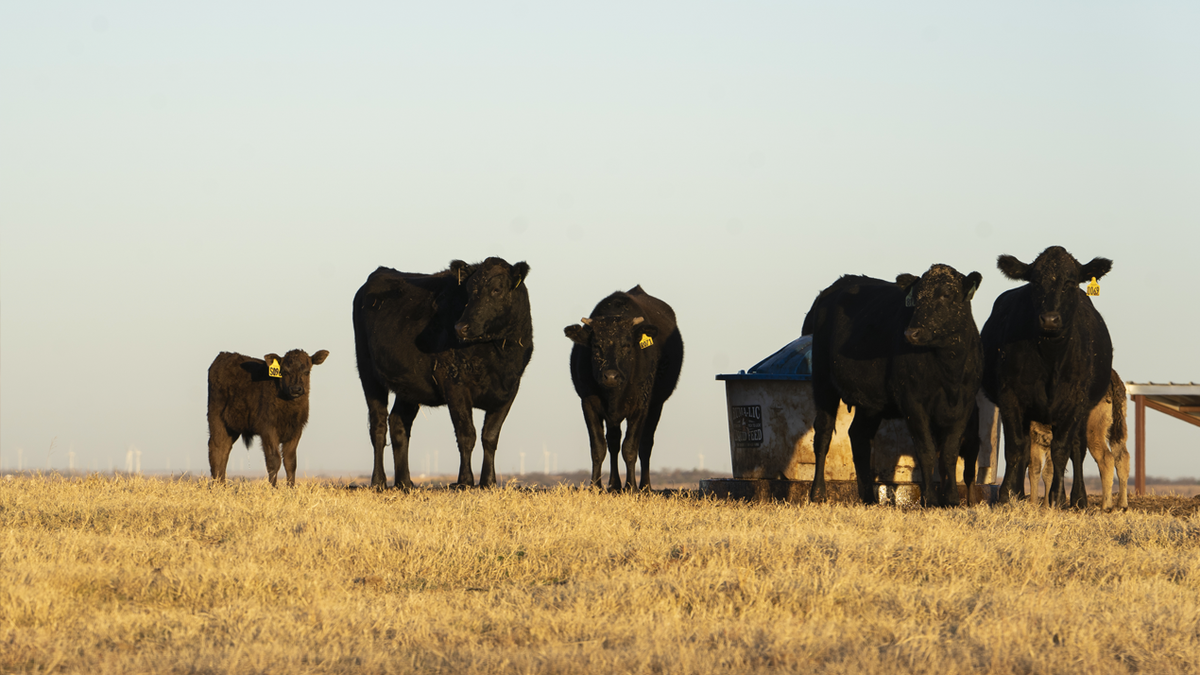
[839, 491]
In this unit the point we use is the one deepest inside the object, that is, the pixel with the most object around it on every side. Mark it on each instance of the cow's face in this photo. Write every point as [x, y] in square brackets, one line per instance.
[614, 344]
[1054, 278]
[492, 288]
[941, 302]
[295, 368]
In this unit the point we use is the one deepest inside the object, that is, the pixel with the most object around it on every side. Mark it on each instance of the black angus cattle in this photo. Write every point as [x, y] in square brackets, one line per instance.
[460, 338]
[267, 398]
[1047, 358]
[625, 364]
[908, 349]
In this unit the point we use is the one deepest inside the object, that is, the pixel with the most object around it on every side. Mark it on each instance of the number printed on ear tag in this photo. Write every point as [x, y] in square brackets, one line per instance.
[1093, 288]
[273, 369]
[646, 341]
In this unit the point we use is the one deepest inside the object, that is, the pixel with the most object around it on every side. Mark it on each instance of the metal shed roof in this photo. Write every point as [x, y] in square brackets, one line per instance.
[1177, 400]
[1181, 401]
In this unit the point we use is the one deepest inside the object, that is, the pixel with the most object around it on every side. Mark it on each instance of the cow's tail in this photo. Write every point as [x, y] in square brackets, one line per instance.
[1117, 431]
[245, 439]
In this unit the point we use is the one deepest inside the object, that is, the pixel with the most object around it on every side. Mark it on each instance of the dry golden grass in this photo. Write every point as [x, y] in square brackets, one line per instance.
[130, 575]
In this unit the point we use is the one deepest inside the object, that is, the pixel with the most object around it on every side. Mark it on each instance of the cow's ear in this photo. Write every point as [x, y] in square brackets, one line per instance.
[646, 329]
[906, 280]
[971, 284]
[461, 270]
[580, 335]
[273, 358]
[320, 357]
[519, 272]
[1012, 268]
[1097, 268]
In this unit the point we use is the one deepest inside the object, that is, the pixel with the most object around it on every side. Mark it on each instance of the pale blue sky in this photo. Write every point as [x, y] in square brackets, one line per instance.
[180, 179]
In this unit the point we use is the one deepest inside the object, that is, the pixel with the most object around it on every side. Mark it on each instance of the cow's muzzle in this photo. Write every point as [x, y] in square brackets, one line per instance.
[1051, 322]
[610, 378]
[917, 336]
[463, 330]
[295, 392]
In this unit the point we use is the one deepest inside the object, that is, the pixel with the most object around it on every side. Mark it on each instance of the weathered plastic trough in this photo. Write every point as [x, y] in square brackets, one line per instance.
[771, 415]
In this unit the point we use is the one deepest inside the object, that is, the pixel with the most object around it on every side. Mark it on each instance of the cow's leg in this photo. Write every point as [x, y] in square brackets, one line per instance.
[1079, 498]
[929, 452]
[220, 442]
[270, 447]
[1016, 451]
[1037, 461]
[377, 420]
[613, 439]
[1047, 478]
[492, 421]
[823, 425]
[464, 431]
[646, 445]
[968, 449]
[1122, 465]
[630, 446]
[289, 459]
[862, 431]
[400, 423]
[949, 443]
[1097, 445]
[593, 418]
[1065, 436]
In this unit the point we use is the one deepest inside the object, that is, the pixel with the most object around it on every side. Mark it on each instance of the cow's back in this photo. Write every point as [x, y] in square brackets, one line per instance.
[660, 314]
[854, 323]
[399, 326]
[237, 385]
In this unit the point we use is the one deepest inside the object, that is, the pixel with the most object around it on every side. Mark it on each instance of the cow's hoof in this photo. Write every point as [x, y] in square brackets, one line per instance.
[816, 496]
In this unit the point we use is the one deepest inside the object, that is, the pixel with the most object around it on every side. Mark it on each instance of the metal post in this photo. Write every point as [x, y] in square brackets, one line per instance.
[1139, 445]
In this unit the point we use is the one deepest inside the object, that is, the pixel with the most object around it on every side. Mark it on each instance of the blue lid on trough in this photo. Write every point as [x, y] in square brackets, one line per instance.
[793, 362]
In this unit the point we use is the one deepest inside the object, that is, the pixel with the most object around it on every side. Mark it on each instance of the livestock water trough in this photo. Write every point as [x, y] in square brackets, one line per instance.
[771, 413]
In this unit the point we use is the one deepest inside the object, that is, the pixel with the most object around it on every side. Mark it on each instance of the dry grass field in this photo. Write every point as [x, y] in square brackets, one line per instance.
[129, 575]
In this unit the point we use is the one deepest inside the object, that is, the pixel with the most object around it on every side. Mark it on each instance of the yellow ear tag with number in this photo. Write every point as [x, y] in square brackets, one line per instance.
[646, 341]
[273, 369]
[1093, 288]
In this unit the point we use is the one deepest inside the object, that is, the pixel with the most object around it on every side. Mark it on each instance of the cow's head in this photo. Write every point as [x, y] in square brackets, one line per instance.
[494, 296]
[1054, 278]
[614, 343]
[295, 367]
[941, 302]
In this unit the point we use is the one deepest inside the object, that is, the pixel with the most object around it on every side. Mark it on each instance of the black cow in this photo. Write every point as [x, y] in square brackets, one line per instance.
[625, 364]
[460, 338]
[907, 349]
[1047, 358]
[268, 398]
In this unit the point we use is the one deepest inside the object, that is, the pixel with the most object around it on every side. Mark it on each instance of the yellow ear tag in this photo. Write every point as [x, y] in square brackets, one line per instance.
[646, 341]
[273, 369]
[1093, 288]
